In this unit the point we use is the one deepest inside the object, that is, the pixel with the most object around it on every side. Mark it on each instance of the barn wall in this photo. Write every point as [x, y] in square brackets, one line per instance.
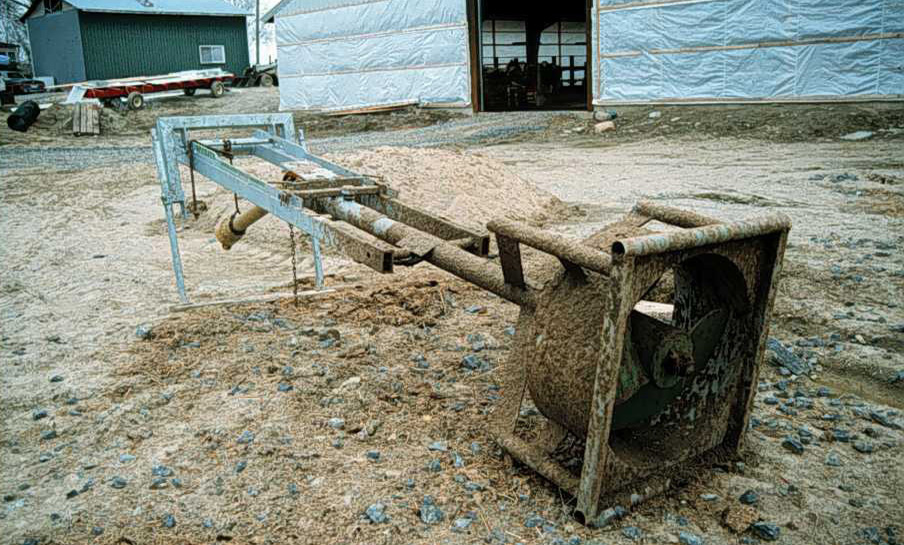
[747, 49]
[56, 46]
[123, 45]
[337, 54]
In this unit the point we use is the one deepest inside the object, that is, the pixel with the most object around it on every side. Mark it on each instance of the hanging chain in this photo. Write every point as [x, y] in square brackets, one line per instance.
[191, 172]
[294, 264]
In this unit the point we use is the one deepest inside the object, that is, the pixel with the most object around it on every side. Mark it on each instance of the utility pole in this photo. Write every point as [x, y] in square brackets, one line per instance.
[257, 30]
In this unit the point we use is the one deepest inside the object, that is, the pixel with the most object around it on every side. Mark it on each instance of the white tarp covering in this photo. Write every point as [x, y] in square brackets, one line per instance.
[747, 49]
[343, 54]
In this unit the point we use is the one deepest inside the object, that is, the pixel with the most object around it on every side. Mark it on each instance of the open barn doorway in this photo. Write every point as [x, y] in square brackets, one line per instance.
[530, 55]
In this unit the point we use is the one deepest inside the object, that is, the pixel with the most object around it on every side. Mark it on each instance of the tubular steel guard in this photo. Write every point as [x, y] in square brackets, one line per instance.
[701, 236]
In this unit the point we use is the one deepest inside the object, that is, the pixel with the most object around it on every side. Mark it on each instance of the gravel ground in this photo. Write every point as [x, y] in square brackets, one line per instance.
[484, 129]
[93, 416]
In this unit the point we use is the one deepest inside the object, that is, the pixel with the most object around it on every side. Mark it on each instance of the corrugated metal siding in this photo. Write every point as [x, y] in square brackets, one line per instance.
[119, 46]
[56, 46]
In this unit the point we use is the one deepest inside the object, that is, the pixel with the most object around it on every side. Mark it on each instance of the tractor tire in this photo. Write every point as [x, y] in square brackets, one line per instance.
[266, 80]
[135, 100]
[217, 89]
[189, 91]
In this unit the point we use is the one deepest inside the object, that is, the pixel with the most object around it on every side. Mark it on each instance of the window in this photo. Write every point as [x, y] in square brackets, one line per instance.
[213, 54]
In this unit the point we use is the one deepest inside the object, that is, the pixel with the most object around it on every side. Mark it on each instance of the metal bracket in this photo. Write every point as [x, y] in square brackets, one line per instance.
[173, 147]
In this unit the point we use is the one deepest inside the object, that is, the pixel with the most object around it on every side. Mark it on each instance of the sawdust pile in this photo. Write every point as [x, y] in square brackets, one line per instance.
[467, 188]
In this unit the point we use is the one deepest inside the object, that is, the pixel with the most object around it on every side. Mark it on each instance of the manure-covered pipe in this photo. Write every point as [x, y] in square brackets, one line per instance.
[445, 254]
[231, 230]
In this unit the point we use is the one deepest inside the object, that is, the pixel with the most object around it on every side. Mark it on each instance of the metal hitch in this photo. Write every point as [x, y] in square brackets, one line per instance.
[643, 386]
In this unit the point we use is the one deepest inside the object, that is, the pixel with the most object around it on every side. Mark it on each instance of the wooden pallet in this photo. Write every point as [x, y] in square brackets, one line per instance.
[86, 119]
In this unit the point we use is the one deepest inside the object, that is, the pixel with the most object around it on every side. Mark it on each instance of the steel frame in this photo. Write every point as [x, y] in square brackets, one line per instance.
[756, 246]
[278, 144]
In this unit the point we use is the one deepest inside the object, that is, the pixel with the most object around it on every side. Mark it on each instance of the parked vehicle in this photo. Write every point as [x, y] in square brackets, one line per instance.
[259, 75]
[132, 91]
[6, 96]
[18, 84]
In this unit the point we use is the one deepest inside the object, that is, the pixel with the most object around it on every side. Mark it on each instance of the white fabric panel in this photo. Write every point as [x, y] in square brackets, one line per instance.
[760, 21]
[893, 16]
[690, 50]
[762, 72]
[630, 30]
[379, 52]
[442, 84]
[837, 69]
[891, 72]
[632, 78]
[337, 54]
[699, 24]
[367, 18]
[699, 73]
[818, 18]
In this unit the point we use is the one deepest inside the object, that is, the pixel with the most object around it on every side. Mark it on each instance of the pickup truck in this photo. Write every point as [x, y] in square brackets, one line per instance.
[19, 84]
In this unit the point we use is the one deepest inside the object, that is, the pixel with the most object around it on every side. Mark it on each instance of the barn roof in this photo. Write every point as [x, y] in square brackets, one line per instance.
[153, 7]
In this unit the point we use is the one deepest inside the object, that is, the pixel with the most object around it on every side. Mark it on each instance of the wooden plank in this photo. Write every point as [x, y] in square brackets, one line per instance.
[77, 119]
[94, 119]
[85, 119]
[372, 109]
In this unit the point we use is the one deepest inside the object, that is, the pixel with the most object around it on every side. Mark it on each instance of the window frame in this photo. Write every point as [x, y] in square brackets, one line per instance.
[213, 47]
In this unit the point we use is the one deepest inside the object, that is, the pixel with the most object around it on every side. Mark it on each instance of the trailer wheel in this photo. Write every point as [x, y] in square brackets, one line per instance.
[217, 89]
[189, 91]
[266, 80]
[135, 100]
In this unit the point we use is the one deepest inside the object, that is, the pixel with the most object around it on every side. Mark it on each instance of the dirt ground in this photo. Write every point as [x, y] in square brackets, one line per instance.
[125, 422]
[54, 124]
[772, 123]
[767, 122]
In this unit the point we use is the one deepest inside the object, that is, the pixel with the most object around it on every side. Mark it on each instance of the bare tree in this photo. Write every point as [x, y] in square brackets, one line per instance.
[14, 32]
[266, 34]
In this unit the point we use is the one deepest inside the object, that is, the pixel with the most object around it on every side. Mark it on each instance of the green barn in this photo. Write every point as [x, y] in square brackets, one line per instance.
[81, 40]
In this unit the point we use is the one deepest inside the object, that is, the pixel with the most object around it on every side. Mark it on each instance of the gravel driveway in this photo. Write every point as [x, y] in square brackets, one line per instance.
[483, 129]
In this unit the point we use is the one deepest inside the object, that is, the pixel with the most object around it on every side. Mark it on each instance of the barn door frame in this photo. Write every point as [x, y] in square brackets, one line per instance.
[474, 34]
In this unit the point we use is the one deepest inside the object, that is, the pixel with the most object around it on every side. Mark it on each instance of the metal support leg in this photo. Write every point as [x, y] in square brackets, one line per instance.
[596, 449]
[174, 248]
[318, 263]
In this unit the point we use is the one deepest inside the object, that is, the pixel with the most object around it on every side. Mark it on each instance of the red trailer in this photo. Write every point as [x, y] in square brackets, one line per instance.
[133, 90]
